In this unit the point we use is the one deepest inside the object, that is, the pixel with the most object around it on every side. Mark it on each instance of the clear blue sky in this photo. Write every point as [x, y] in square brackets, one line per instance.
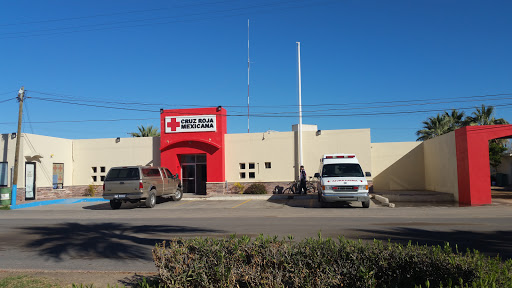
[355, 55]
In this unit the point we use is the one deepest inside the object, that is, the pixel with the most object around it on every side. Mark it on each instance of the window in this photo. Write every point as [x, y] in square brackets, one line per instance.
[251, 165]
[102, 169]
[268, 165]
[94, 178]
[169, 174]
[102, 178]
[242, 175]
[122, 174]
[3, 174]
[151, 172]
[58, 175]
[94, 169]
[252, 175]
[242, 166]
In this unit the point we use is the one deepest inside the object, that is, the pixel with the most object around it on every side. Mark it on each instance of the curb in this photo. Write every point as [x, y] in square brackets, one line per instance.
[384, 201]
[252, 197]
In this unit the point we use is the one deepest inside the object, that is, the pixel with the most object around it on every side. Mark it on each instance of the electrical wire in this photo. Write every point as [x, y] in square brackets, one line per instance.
[168, 22]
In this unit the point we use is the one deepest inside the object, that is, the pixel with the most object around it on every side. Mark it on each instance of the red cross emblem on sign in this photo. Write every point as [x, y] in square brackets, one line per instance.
[173, 124]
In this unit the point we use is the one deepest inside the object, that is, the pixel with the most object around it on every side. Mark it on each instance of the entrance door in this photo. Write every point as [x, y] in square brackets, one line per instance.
[193, 171]
[30, 180]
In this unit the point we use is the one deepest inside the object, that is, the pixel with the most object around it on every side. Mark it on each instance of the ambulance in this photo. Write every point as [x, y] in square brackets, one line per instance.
[342, 179]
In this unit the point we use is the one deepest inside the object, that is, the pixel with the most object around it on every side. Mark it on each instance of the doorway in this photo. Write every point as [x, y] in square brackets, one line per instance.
[193, 171]
[30, 180]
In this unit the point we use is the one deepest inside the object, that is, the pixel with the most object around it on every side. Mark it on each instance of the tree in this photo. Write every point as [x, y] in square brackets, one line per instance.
[433, 127]
[455, 119]
[149, 131]
[484, 116]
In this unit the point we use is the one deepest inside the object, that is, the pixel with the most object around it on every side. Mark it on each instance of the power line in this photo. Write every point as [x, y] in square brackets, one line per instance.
[111, 14]
[456, 99]
[159, 23]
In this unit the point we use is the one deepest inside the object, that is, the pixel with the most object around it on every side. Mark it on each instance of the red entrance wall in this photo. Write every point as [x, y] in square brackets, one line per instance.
[473, 173]
[172, 145]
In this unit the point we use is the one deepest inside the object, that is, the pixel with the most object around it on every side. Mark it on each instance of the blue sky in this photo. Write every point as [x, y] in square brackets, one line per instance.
[364, 63]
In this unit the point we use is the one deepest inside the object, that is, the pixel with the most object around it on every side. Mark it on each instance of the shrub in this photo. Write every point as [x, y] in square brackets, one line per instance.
[256, 188]
[238, 187]
[269, 262]
[91, 190]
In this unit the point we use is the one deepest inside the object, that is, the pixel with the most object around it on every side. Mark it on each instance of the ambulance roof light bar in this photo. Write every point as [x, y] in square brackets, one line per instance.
[339, 156]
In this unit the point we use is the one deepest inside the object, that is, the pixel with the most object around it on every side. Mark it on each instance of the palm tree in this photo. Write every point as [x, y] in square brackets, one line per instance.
[149, 131]
[455, 119]
[434, 126]
[484, 116]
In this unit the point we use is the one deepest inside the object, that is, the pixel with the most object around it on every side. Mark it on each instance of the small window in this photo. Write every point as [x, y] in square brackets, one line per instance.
[268, 165]
[251, 165]
[102, 169]
[242, 166]
[94, 178]
[242, 175]
[102, 178]
[252, 175]
[94, 169]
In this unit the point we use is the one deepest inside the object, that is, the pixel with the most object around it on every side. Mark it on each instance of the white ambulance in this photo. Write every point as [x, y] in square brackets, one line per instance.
[342, 179]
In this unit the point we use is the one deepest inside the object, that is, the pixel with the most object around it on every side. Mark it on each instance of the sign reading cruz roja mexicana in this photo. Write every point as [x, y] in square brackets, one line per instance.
[198, 123]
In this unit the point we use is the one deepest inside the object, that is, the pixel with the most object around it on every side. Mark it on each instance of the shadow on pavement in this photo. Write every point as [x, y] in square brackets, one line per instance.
[128, 205]
[489, 243]
[309, 201]
[103, 240]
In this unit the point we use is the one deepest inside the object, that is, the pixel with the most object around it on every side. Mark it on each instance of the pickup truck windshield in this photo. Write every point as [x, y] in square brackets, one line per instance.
[342, 170]
[123, 174]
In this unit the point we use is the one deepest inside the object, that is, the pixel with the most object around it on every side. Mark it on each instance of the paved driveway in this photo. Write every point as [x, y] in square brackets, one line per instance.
[91, 236]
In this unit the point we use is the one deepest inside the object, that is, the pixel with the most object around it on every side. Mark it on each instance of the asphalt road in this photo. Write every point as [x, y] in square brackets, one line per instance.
[92, 237]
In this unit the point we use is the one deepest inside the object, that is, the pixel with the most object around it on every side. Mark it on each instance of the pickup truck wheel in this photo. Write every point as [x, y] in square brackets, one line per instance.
[178, 195]
[151, 200]
[115, 204]
[366, 204]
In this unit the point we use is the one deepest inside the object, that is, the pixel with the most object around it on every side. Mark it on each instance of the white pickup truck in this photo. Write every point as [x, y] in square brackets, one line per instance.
[342, 179]
[140, 183]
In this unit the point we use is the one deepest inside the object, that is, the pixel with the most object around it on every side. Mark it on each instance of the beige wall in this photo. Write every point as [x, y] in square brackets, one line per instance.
[88, 153]
[42, 150]
[53, 150]
[398, 166]
[441, 164]
[506, 167]
[281, 150]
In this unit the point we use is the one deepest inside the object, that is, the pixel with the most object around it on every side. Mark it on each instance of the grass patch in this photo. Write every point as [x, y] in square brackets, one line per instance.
[23, 281]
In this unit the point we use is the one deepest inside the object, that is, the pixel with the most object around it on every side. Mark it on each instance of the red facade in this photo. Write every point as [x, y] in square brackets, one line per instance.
[175, 144]
[473, 173]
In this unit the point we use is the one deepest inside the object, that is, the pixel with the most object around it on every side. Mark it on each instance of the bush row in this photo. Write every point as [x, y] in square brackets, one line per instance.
[270, 262]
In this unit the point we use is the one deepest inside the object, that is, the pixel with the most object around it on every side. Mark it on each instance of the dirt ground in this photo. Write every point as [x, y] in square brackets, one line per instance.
[96, 278]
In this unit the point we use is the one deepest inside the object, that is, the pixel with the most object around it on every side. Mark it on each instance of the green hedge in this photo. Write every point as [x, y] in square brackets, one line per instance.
[256, 188]
[269, 262]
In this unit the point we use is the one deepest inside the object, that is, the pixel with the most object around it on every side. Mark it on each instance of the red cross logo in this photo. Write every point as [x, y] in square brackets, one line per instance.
[173, 124]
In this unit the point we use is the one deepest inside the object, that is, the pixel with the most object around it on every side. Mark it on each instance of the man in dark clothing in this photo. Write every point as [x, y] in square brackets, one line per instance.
[302, 186]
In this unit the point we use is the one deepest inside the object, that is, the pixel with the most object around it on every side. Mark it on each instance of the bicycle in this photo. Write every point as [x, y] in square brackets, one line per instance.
[293, 187]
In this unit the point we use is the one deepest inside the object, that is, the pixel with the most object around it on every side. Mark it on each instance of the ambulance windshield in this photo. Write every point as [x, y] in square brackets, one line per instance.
[342, 170]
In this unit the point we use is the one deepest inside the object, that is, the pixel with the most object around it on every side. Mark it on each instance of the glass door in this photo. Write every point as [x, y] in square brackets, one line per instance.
[193, 171]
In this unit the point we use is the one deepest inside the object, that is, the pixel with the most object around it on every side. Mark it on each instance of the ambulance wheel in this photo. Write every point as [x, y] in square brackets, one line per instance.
[366, 204]
[178, 195]
[151, 200]
[115, 204]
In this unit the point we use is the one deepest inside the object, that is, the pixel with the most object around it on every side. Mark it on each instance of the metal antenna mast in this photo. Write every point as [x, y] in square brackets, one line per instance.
[248, 71]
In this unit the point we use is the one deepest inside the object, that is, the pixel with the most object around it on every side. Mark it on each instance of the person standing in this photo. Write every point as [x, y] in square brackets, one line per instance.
[302, 178]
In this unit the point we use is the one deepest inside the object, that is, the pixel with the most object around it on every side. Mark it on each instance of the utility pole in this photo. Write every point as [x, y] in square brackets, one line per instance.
[21, 96]
[248, 70]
